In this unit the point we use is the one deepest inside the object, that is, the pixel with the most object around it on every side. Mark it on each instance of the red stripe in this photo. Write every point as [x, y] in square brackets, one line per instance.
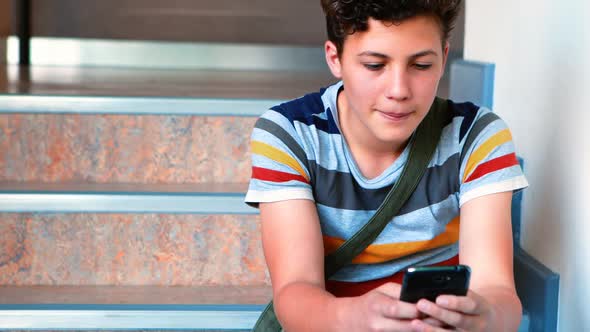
[492, 166]
[348, 289]
[266, 174]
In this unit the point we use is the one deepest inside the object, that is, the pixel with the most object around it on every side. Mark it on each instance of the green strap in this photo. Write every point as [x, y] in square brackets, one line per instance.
[423, 144]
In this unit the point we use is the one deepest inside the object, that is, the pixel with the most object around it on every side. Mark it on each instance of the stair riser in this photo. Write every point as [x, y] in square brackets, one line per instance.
[131, 249]
[124, 148]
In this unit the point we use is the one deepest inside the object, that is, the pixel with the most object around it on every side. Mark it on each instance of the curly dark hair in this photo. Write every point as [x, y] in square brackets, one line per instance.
[345, 17]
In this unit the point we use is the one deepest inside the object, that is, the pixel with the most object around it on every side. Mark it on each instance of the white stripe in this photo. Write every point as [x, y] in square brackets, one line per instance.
[494, 188]
[256, 196]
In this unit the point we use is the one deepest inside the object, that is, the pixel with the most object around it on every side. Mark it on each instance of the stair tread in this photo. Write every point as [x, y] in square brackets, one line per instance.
[227, 308]
[175, 308]
[105, 81]
[122, 188]
[198, 198]
[135, 295]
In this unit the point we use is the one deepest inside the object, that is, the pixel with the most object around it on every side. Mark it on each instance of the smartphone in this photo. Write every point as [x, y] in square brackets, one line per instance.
[429, 282]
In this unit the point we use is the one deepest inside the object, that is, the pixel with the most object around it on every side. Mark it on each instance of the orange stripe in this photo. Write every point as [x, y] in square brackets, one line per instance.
[279, 156]
[379, 253]
[485, 149]
[349, 289]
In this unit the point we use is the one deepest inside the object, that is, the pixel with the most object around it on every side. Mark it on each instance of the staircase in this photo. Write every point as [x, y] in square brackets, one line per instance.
[121, 197]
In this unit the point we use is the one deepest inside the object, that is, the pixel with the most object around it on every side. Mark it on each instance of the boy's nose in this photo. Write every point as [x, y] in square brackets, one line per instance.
[398, 87]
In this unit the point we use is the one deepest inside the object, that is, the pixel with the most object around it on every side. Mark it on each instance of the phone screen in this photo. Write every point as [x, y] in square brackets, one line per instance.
[432, 281]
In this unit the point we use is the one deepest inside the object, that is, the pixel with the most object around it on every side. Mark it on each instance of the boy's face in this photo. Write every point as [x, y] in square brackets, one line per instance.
[390, 74]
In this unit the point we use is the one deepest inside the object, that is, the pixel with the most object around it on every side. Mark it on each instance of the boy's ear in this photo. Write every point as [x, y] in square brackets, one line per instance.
[332, 59]
[446, 55]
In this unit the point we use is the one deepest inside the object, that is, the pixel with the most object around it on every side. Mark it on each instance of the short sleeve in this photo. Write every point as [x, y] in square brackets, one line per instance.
[279, 162]
[489, 163]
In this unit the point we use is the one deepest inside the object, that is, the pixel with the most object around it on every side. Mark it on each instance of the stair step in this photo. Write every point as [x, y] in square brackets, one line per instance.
[141, 105]
[198, 198]
[135, 295]
[194, 83]
[147, 307]
[118, 125]
[135, 308]
[193, 317]
[143, 234]
[124, 148]
[131, 249]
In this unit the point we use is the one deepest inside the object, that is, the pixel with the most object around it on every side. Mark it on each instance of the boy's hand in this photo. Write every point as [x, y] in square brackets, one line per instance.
[380, 310]
[462, 313]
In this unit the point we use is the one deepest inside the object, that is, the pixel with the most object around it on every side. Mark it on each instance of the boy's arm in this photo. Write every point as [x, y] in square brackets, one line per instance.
[294, 252]
[293, 248]
[485, 244]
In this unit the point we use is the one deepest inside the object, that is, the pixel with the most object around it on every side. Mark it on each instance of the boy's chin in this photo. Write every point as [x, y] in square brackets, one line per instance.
[394, 140]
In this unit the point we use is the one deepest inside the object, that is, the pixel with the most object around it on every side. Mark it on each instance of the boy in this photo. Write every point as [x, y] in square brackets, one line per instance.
[323, 163]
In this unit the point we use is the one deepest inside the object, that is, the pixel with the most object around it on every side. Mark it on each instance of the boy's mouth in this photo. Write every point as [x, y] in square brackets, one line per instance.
[396, 116]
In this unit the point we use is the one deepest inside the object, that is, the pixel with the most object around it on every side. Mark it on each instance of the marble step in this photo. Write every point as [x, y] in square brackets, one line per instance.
[113, 148]
[225, 308]
[89, 249]
[124, 125]
[129, 235]
[131, 249]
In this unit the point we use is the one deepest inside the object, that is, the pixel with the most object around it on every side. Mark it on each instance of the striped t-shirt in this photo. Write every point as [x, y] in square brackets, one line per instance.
[298, 152]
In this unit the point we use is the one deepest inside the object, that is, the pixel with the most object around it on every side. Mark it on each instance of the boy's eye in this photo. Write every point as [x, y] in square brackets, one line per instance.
[373, 66]
[422, 66]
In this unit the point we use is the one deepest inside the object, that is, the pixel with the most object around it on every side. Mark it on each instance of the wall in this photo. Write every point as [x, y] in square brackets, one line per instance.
[256, 21]
[5, 7]
[541, 51]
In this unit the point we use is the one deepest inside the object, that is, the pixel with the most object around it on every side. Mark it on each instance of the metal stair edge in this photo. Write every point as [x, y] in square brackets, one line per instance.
[121, 198]
[138, 105]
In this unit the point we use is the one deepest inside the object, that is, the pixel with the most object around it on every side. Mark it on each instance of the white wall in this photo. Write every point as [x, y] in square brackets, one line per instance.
[542, 90]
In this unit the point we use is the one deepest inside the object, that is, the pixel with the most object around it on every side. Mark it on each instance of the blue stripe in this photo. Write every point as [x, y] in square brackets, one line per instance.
[342, 191]
[468, 111]
[437, 184]
[308, 110]
[419, 225]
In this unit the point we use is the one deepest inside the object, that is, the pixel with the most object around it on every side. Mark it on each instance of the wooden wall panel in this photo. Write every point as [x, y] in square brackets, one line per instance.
[5, 14]
[298, 22]
[289, 22]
